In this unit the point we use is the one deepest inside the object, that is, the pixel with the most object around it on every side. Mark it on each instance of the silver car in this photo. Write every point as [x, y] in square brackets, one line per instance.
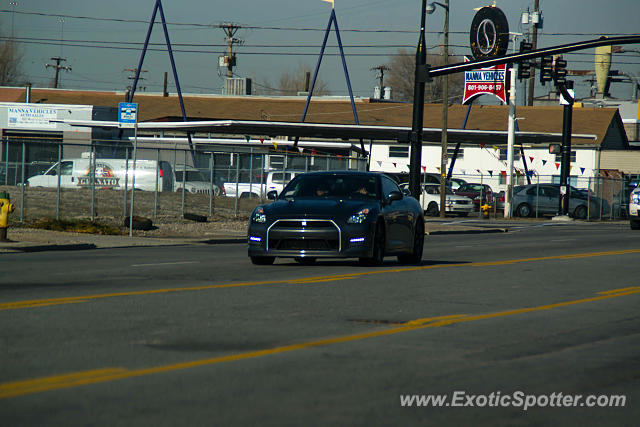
[543, 200]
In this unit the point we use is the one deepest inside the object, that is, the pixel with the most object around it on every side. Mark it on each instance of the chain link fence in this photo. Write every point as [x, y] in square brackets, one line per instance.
[63, 181]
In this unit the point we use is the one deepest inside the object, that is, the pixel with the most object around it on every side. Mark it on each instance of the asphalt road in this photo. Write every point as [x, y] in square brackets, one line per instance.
[197, 335]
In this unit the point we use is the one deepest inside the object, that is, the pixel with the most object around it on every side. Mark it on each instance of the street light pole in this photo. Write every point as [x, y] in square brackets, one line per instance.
[445, 108]
[418, 110]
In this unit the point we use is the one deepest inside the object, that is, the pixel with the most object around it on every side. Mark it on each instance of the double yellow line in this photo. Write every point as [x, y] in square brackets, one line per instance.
[20, 388]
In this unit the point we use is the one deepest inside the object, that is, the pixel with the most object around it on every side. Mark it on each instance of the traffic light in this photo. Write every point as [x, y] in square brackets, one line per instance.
[560, 71]
[524, 67]
[546, 69]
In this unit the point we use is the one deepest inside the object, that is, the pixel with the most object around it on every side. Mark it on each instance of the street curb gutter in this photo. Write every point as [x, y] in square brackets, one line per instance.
[480, 231]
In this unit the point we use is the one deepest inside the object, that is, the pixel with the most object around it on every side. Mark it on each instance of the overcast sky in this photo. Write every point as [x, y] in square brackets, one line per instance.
[278, 36]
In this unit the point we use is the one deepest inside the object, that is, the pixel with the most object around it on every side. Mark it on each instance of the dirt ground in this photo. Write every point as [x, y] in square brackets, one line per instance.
[166, 211]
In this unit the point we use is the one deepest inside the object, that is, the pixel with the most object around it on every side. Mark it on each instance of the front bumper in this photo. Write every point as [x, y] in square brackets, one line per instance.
[303, 237]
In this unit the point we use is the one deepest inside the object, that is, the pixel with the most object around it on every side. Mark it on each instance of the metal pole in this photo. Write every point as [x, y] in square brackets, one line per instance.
[92, 162]
[250, 171]
[24, 155]
[58, 186]
[235, 209]
[511, 136]
[565, 189]
[155, 190]
[418, 110]
[126, 182]
[211, 185]
[133, 179]
[184, 177]
[445, 112]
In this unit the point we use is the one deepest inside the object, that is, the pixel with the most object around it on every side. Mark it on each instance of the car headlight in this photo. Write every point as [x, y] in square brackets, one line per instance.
[635, 198]
[258, 215]
[358, 218]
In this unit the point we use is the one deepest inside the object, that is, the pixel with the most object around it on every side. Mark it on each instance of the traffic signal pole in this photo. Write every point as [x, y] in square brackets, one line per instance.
[567, 117]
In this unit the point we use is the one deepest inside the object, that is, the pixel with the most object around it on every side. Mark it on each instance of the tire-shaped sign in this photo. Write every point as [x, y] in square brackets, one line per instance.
[489, 35]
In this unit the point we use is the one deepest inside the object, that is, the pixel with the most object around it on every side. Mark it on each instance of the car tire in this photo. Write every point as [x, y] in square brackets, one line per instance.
[305, 260]
[580, 212]
[263, 260]
[634, 224]
[379, 243]
[432, 209]
[524, 210]
[415, 257]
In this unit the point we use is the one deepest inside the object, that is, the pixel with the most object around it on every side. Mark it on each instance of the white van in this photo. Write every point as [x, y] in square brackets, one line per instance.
[109, 173]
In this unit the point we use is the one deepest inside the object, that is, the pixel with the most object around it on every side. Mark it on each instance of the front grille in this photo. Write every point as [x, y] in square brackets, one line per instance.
[304, 235]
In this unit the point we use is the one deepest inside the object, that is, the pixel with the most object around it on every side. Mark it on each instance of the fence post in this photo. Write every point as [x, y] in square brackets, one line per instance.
[92, 163]
[184, 177]
[126, 182]
[24, 153]
[155, 190]
[6, 165]
[250, 171]
[211, 184]
[235, 208]
[263, 184]
[537, 195]
[589, 199]
[58, 186]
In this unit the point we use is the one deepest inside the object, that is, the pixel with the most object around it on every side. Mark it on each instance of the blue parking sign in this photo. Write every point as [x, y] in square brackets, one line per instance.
[127, 114]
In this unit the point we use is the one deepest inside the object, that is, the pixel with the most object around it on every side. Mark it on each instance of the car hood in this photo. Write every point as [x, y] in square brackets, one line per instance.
[319, 208]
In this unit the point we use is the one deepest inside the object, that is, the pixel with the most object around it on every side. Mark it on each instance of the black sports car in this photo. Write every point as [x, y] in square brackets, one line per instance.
[337, 215]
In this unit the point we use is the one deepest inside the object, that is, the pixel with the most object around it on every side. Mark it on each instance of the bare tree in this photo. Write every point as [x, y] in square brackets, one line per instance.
[10, 60]
[290, 83]
[402, 78]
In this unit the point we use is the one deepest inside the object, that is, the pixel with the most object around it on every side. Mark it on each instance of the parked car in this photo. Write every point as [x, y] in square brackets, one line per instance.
[455, 183]
[337, 215]
[477, 192]
[430, 200]
[543, 198]
[634, 209]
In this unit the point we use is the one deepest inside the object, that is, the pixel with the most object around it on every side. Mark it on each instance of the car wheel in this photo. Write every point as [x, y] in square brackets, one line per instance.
[415, 257]
[263, 260]
[635, 224]
[379, 242]
[580, 212]
[432, 209]
[524, 210]
[305, 260]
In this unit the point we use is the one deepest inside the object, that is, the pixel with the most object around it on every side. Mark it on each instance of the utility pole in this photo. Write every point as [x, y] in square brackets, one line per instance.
[135, 71]
[58, 67]
[381, 69]
[534, 43]
[445, 110]
[230, 59]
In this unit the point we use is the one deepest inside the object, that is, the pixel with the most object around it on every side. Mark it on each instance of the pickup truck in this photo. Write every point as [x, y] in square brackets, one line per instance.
[275, 180]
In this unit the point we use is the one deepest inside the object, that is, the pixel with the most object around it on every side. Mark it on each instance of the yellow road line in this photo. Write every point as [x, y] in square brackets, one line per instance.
[317, 279]
[20, 388]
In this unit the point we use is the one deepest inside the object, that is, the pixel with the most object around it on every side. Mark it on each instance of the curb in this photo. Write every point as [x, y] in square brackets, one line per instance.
[485, 231]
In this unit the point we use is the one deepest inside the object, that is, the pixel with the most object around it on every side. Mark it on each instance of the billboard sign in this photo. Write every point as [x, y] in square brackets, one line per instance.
[31, 117]
[485, 81]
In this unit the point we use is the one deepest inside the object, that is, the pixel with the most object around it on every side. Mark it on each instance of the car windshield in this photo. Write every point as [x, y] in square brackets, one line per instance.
[332, 186]
[435, 189]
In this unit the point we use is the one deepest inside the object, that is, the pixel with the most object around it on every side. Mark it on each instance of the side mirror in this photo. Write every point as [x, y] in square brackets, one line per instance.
[272, 195]
[394, 195]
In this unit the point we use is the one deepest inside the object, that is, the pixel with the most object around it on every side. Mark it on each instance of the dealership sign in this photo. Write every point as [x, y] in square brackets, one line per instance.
[485, 81]
[31, 117]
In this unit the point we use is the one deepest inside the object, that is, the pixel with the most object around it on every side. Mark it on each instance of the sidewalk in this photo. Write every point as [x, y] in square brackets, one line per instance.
[35, 240]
